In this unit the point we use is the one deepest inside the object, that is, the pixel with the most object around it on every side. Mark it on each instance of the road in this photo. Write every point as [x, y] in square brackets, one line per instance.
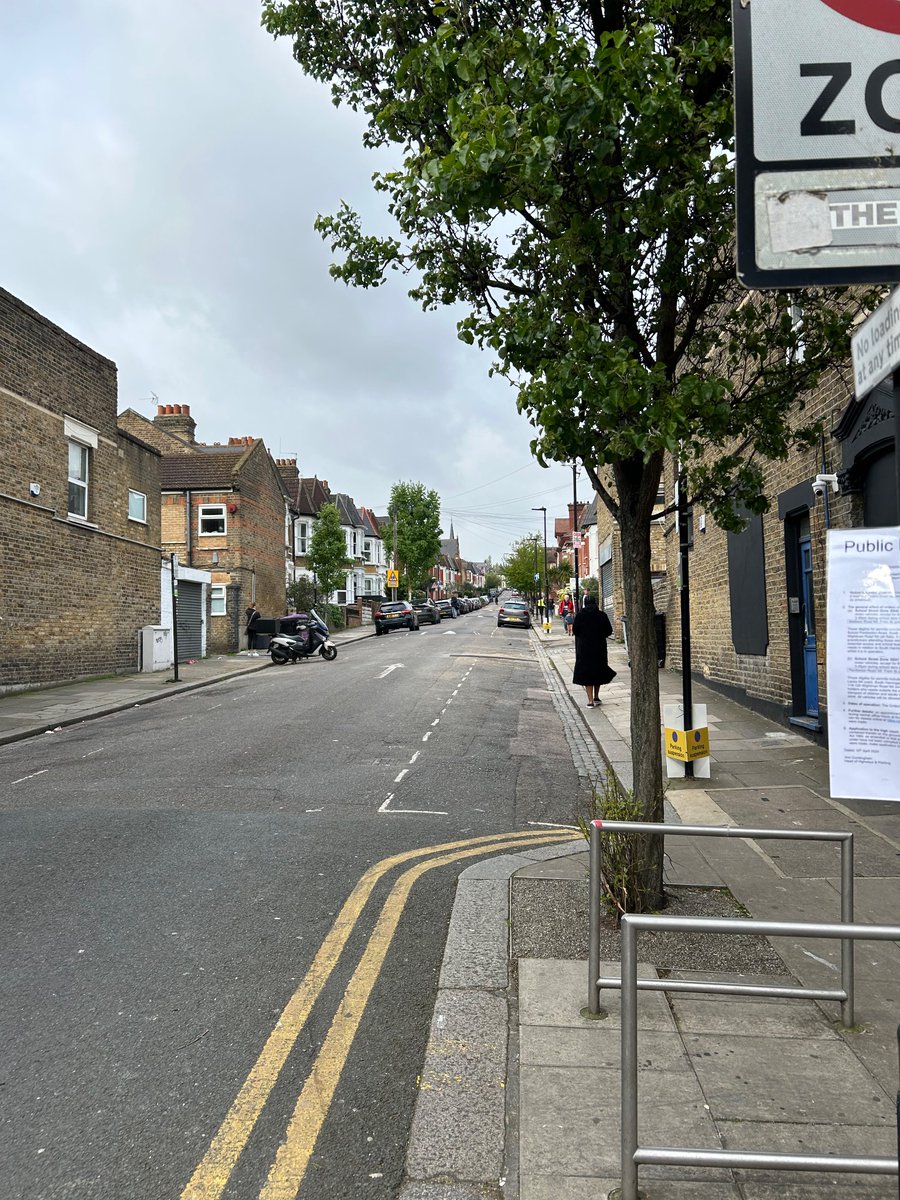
[211, 987]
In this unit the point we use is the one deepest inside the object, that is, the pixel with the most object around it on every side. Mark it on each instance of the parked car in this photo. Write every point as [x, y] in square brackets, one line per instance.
[427, 612]
[395, 614]
[513, 612]
[445, 608]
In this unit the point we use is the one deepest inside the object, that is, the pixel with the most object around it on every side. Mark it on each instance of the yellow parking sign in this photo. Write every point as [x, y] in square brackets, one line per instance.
[393, 579]
[686, 745]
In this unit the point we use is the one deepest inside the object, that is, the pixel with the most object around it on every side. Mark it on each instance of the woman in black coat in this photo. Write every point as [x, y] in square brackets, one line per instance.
[592, 669]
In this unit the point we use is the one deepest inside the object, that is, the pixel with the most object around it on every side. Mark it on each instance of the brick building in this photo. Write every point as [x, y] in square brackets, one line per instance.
[79, 511]
[758, 613]
[224, 510]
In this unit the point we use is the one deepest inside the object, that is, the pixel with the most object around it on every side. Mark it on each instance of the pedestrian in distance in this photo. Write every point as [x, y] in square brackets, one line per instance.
[569, 618]
[252, 614]
[591, 628]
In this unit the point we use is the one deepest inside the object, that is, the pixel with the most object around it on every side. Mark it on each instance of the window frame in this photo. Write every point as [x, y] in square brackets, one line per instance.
[202, 513]
[301, 537]
[143, 495]
[218, 591]
[84, 485]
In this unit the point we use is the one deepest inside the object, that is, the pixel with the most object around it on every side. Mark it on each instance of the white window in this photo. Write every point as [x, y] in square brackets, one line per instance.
[79, 459]
[217, 600]
[355, 543]
[137, 506]
[367, 550]
[301, 537]
[212, 519]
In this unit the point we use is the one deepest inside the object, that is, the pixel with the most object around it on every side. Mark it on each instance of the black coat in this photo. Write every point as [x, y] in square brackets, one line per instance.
[591, 630]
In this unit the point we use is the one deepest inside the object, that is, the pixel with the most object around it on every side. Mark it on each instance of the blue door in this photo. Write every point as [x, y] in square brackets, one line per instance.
[807, 600]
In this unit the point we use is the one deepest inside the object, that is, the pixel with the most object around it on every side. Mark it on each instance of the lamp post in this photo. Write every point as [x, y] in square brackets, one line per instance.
[543, 509]
[575, 532]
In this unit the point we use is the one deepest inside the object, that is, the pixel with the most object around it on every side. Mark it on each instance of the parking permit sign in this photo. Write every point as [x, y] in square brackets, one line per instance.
[817, 113]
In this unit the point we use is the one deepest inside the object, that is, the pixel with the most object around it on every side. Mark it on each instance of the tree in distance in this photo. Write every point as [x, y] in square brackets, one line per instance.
[566, 175]
[524, 561]
[417, 511]
[327, 557]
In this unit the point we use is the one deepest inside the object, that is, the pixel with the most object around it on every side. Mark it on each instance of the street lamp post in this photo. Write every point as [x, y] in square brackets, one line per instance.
[543, 509]
[575, 527]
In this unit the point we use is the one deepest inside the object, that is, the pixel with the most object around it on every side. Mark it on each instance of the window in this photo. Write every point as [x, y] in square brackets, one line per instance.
[301, 537]
[137, 507]
[367, 550]
[217, 600]
[81, 439]
[78, 480]
[212, 519]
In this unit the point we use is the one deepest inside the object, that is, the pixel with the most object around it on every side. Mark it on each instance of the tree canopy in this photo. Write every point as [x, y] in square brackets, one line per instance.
[327, 557]
[524, 561]
[417, 511]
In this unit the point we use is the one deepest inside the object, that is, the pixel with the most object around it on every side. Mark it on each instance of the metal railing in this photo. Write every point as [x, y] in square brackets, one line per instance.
[634, 1155]
[843, 995]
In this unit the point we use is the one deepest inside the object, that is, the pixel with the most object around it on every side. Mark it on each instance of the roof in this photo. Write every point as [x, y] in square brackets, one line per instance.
[312, 496]
[370, 522]
[202, 472]
[589, 516]
[346, 506]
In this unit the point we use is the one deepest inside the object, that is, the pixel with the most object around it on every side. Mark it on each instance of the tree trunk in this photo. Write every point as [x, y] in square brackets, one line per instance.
[637, 483]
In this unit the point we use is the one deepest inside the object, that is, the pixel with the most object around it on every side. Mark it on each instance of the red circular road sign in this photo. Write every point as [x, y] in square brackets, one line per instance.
[877, 14]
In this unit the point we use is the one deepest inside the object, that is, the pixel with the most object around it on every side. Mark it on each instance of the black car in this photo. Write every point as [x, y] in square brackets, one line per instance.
[395, 614]
[445, 608]
[427, 612]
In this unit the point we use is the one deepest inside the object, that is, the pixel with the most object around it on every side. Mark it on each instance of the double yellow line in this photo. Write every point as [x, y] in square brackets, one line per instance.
[286, 1174]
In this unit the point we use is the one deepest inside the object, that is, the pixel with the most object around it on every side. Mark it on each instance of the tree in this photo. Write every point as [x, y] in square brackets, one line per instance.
[417, 511]
[524, 561]
[492, 581]
[590, 586]
[567, 175]
[300, 594]
[327, 557]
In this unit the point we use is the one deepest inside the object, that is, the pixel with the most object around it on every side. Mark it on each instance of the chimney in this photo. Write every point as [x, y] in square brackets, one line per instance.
[177, 419]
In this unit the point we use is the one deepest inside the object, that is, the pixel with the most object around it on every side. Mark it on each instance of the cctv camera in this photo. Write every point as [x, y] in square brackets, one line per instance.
[821, 482]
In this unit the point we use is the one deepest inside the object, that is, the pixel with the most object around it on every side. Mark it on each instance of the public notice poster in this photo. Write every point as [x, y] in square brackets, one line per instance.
[864, 663]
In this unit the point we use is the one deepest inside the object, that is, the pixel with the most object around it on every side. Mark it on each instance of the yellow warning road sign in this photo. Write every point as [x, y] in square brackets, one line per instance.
[393, 579]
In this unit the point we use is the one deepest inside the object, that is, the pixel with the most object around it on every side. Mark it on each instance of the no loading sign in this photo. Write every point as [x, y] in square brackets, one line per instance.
[877, 14]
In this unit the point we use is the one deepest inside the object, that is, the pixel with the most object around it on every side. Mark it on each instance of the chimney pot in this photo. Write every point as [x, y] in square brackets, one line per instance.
[160, 409]
[186, 410]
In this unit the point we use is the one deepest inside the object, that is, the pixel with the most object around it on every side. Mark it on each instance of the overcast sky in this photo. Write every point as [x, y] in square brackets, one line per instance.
[162, 162]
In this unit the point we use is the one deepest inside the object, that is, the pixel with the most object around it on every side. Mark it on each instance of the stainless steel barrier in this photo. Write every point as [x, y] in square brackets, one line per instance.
[634, 1155]
[844, 995]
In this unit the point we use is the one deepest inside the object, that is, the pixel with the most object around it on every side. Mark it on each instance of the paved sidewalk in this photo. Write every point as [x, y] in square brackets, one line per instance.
[24, 714]
[776, 1076]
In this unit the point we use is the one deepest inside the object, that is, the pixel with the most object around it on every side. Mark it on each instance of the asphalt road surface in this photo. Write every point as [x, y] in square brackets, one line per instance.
[223, 915]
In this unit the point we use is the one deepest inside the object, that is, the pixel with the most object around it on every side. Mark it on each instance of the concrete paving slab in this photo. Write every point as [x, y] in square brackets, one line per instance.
[573, 1187]
[738, 1079]
[860, 1187]
[570, 1120]
[575, 866]
[788, 1137]
[553, 991]
[598, 1045]
[730, 1015]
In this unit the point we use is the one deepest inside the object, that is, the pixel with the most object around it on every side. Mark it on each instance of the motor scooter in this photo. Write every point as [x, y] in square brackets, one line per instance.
[302, 636]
